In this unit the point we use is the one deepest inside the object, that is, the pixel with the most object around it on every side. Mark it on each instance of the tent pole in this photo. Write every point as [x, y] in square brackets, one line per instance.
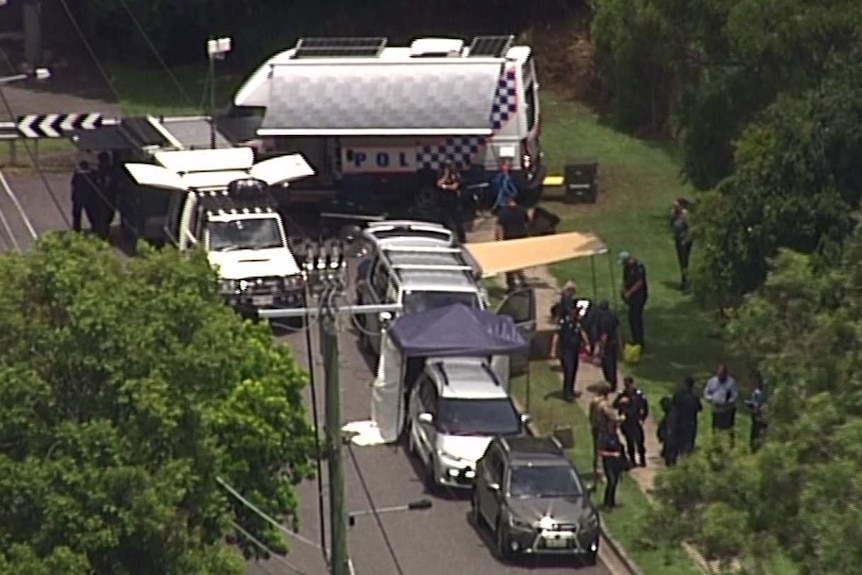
[613, 279]
[593, 272]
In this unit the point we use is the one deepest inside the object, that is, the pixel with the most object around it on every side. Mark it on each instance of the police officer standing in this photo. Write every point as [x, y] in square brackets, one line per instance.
[608, 348]
[83, 192]
[685, 409]
[681, 238]
[635, 293]
[513, 222]
[632, 405]
[104, 203]
[449, 186]
[601, 412]
[567, 344]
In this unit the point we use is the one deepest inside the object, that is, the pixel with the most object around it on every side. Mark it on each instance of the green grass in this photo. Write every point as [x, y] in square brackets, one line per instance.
[623, 523]
[153, 92]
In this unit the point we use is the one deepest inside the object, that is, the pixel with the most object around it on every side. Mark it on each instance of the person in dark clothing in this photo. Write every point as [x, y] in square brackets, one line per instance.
[567, 300]
[104, 202]
[686, 407]
[83, 192]
[756, 404]
[665, 433]
[681, 238]
[513, 223]
[449, 187]
[567, 344]
[635, 293]
[608, 342]
[614, 463]
[633, 406]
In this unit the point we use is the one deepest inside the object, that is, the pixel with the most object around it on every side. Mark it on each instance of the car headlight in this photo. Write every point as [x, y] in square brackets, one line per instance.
[591, 522]
[229, 286]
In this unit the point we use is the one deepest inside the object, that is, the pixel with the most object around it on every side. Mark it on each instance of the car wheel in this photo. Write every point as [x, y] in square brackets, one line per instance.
[504, 553]
[411, 443]
[475, 515]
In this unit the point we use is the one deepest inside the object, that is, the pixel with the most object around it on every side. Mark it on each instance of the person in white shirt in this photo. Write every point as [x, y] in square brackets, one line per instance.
[722, 393]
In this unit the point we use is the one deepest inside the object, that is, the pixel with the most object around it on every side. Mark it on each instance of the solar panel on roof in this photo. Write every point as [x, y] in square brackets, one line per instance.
[490, 46]
[339, 47]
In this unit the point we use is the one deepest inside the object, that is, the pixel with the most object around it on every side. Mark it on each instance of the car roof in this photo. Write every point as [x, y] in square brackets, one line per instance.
[465, 378]
[523, 450]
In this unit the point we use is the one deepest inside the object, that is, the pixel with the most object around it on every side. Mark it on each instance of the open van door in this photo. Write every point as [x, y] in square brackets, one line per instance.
[282, 169]
[520, 305]
[156, 177]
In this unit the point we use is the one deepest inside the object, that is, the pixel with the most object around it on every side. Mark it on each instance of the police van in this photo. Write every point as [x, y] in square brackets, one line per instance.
[221, 201]
[377, 122]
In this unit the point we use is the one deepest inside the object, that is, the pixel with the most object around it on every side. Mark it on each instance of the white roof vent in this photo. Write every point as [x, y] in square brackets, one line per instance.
[436, 47]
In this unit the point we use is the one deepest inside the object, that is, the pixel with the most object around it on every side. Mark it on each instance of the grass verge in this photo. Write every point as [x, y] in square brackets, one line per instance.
[624, 523]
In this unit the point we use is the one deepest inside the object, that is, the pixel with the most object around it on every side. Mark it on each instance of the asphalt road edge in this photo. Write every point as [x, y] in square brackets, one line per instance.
[608, 543]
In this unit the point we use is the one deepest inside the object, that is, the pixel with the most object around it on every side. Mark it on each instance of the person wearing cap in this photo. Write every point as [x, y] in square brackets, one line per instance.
[566, 344]
[513, 222]
[600, 412]
[502, 186]
[614, 462]
[633, 406]
[567, 300]
[83, 193]
[635, 293]
[608, 342]
[449, 186]
[105, 201]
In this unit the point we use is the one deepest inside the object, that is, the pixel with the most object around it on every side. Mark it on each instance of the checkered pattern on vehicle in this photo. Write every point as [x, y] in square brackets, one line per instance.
[506, 99]
[461, 150]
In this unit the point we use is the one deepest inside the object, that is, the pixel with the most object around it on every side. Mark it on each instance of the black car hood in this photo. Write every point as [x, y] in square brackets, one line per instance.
[560, 509]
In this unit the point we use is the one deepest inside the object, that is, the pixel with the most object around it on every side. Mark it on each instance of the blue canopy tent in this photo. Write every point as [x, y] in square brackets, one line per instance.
[452, 331]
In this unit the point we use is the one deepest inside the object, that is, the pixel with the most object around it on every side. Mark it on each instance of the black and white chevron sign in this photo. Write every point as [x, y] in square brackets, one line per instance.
[56, 125]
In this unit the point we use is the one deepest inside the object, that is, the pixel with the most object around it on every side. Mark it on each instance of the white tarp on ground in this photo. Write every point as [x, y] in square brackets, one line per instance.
[363, 433]
[387, 396]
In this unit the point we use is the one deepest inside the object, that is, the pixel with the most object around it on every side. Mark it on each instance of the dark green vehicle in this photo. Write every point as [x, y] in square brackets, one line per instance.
[532, 498]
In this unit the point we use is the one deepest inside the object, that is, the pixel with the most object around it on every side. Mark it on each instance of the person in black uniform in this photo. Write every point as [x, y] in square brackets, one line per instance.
[686, 407]
[104, 203]
[83, 193]
[613, 462]
[635, 293]
[449, 186]
[513, 223]
[681, 238]
[608, 349]
[632, 405]
[566, 344]
[666, 432]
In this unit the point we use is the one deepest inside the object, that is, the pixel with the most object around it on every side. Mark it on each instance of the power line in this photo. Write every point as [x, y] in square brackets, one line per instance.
[263, 547]
[156, 53]
[374, 511]
[264, 516]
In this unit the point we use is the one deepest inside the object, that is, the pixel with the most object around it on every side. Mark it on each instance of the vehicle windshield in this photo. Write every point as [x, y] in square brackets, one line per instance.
[419, 301]
[485, 417]
[544, 481]
[245, 234]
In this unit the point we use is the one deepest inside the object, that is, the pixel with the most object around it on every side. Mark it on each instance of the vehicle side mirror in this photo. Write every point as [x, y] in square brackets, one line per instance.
[495, 487]
[426, 418]
[526, 418]
[385, 317]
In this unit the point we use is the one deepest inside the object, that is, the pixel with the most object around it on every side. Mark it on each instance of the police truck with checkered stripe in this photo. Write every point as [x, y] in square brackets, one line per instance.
[377, 122]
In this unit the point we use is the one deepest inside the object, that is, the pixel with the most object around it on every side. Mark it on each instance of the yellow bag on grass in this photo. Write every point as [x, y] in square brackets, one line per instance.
[632, 353]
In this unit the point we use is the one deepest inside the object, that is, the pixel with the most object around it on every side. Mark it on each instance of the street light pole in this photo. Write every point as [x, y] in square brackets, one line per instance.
[217, 49]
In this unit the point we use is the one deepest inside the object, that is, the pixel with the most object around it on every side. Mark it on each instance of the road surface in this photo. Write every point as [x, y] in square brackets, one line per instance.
[436, 541]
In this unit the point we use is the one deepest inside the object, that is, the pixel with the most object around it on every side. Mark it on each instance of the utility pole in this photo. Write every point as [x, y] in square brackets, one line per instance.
[337, 509]
[326, 273]
[32, 12]
[217, 49]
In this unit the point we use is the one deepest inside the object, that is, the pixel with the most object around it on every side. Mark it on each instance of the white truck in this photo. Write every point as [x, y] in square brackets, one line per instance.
[377, 121]
[222, 203]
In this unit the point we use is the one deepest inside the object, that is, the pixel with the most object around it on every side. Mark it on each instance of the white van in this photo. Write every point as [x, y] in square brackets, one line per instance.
[376, 120]
[222, 204]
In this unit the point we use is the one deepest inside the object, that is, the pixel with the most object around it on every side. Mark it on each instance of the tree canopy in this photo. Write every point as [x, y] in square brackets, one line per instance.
[126, 390]
[801, 491]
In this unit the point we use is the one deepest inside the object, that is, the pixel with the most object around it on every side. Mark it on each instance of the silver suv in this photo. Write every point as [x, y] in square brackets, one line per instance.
[457, 407]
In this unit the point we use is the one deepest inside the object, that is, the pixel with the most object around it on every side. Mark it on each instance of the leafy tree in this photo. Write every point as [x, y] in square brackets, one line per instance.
[796, 185]
[126, 390]
[801, 492]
